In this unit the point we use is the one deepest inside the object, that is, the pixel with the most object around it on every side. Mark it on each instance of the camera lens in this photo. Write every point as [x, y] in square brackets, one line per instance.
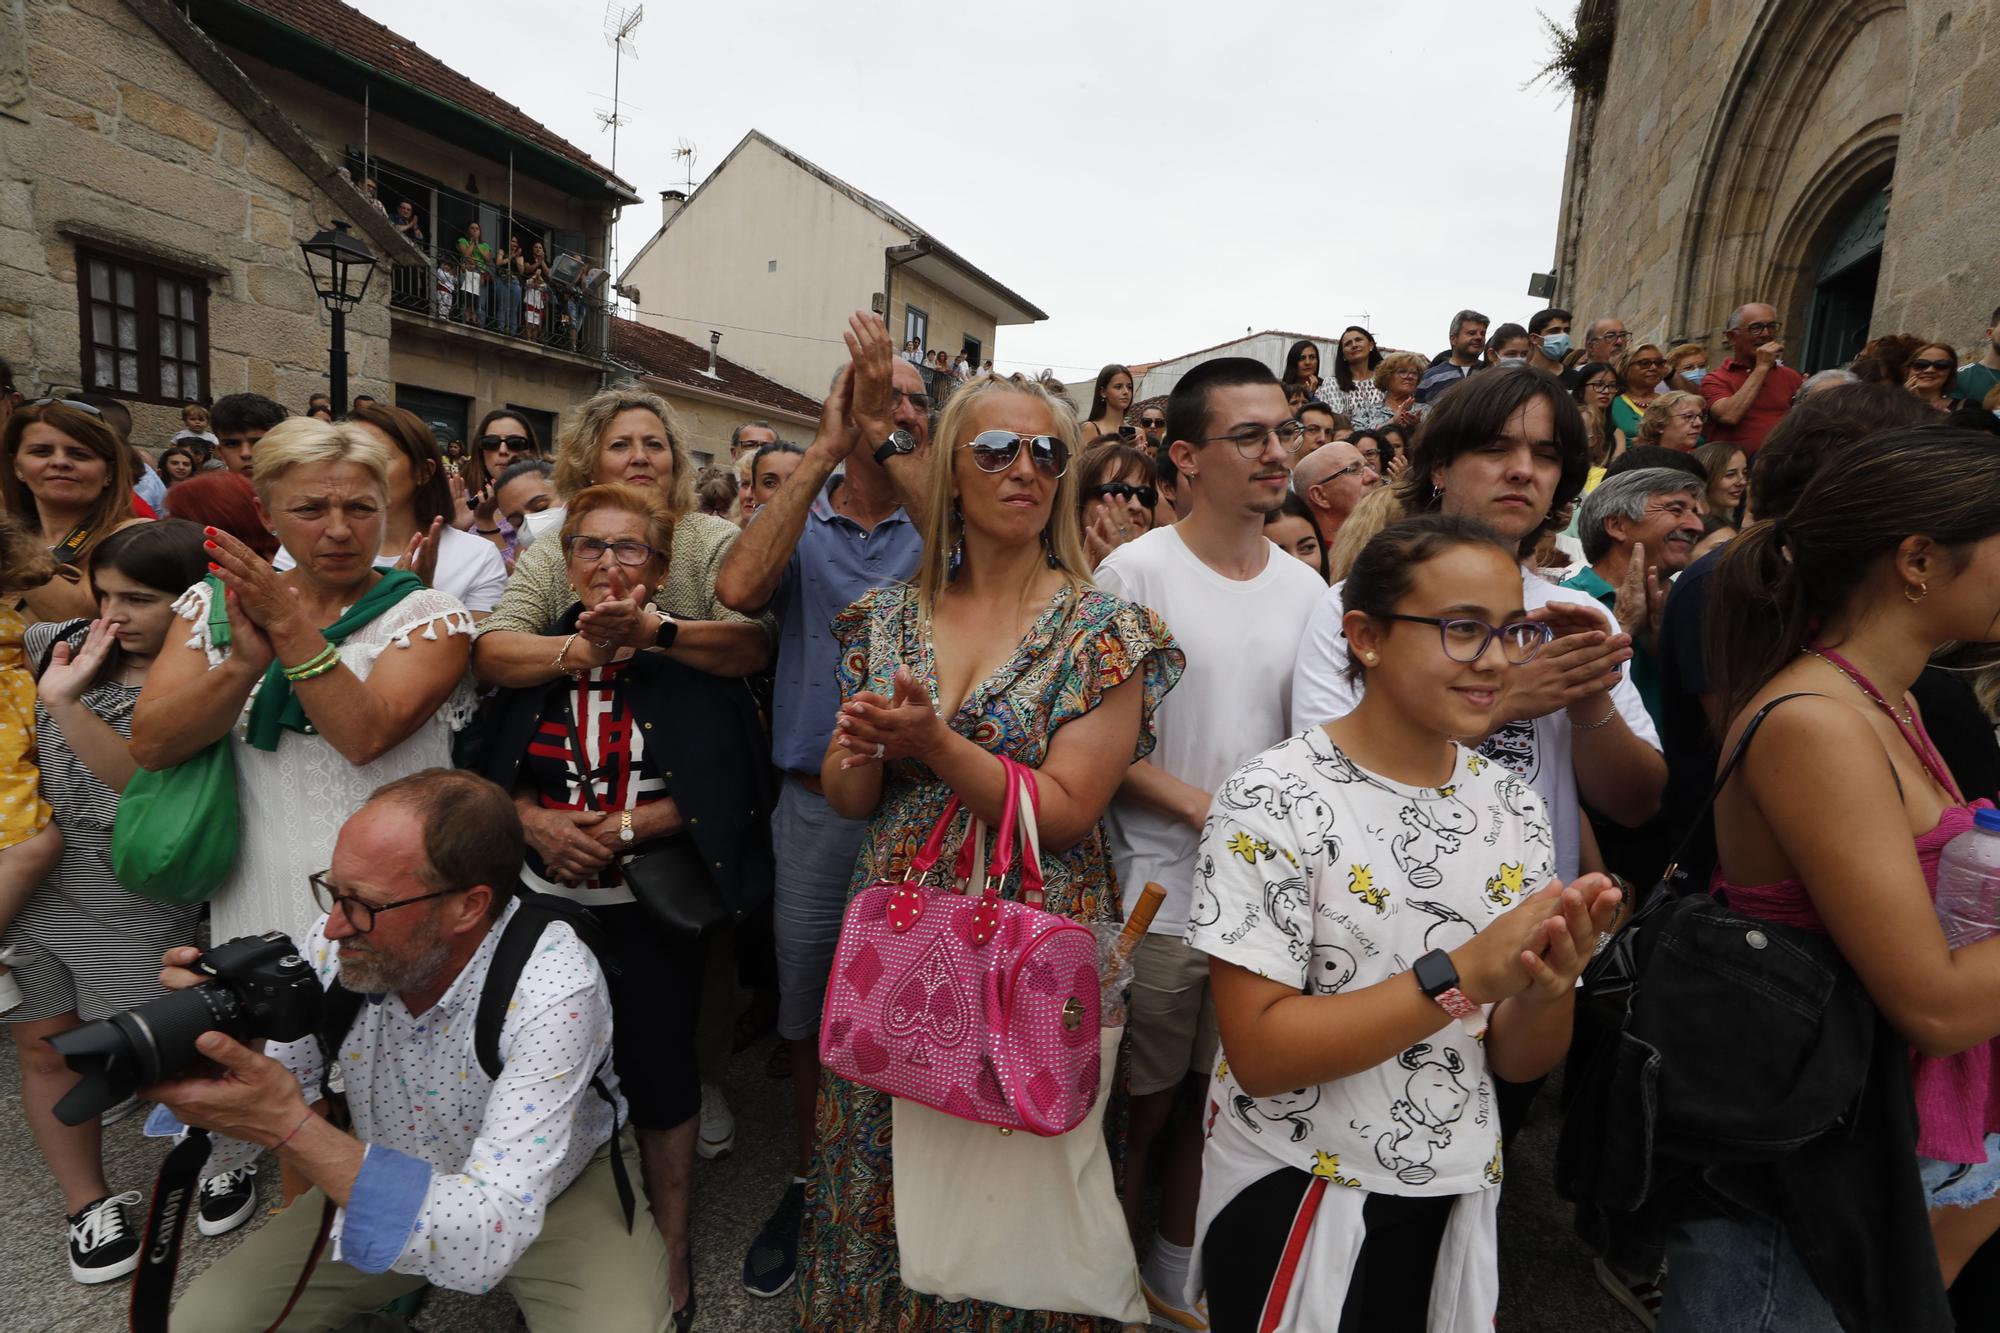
[117, 1055]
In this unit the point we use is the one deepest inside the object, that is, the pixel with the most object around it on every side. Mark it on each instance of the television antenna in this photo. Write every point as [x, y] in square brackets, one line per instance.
[620, 23]
[686, 153]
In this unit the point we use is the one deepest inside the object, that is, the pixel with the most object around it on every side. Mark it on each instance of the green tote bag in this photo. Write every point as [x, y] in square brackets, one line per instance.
[176, 834]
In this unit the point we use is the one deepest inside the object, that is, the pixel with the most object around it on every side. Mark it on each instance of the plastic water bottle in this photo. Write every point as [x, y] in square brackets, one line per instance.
[1968, 888]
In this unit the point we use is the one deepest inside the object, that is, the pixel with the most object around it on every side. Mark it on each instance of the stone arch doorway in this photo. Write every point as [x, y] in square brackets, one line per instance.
[1843, 291]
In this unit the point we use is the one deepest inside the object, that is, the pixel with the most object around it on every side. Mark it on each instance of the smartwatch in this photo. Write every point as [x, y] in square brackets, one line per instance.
[669, 630]
[1439, 980]
[899, 442]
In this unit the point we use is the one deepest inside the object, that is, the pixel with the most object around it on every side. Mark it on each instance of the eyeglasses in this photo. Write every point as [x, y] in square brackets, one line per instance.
[361, 913]
[1926, 363]
[1249, 441]
[1148, 495]
[515, 443]
[1650, 363]
[1695, 417]
[82, 406]
[591, 549]
[1153, 423]
[1466, 640]
[1621, 336]
[1764, 326]
[995, 451]
[920, 401]
[1602, 386]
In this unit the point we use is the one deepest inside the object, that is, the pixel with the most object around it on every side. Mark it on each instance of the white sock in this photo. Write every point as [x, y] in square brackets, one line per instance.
[1167, 1268]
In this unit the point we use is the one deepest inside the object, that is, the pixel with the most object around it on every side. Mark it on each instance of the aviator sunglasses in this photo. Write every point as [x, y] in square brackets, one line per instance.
[995, 451]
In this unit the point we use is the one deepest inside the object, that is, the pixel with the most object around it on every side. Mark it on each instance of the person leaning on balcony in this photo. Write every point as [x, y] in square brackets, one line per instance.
[622, 435]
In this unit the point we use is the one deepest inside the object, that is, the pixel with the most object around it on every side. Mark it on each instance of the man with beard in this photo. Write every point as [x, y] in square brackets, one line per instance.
[1237, 604]
[1468, 351]
[449, 1176]
[1639, 529]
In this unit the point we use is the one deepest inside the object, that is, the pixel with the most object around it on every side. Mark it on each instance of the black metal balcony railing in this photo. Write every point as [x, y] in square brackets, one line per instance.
[550, 315]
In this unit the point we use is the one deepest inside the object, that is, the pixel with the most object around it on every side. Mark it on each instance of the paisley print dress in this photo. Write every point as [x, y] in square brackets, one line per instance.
[1085, 644]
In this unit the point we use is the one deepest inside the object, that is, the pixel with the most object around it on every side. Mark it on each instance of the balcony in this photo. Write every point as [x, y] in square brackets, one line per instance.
[569, 320]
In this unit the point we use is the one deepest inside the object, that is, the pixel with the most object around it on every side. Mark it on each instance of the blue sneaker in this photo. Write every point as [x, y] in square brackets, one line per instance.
[773, 1262]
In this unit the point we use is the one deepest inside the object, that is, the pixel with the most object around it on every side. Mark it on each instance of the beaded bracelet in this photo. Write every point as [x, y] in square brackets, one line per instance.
[321, 662]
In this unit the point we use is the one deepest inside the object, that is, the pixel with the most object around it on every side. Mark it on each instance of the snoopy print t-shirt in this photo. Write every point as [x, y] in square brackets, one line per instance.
[1318, 874]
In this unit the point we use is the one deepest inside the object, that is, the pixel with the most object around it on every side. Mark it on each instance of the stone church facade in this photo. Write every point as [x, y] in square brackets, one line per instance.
[1837, 158]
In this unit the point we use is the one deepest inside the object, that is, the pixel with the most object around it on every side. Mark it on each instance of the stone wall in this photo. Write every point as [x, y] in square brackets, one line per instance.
[119, 138]
[1733, 137]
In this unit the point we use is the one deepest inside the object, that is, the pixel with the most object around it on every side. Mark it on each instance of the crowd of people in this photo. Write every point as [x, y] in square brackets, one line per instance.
[1423, 687]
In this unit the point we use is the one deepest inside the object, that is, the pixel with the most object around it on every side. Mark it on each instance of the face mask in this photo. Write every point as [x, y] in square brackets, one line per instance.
[1513, 360]
[1555, 346]
[1693, 374]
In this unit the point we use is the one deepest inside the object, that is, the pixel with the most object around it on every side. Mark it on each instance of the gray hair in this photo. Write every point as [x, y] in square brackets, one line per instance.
[1625, 496]
[1736, 315]
[1837, 375]
[1465, 317]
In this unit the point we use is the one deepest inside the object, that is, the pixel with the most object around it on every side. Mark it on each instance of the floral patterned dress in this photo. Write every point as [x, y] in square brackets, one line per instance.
[1085, 644]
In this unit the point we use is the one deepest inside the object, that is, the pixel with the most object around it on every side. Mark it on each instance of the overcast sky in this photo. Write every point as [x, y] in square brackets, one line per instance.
[1157, 177]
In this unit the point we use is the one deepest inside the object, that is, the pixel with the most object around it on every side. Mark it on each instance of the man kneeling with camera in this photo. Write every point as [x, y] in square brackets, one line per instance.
[450, 1175]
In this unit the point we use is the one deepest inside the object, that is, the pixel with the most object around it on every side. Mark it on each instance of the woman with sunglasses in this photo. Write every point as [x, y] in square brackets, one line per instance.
[1108, 404]
[66, 474]
[671, 769]
[998, 646]
[1640, 371]
[1385, 941]
[1118, 498]
[1933, 376]
[501, 440]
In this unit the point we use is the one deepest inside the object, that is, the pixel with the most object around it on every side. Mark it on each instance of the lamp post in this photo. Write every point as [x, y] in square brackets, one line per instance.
[340, 265]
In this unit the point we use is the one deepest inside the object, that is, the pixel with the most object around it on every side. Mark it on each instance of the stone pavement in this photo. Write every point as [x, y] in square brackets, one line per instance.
[1546, 1282]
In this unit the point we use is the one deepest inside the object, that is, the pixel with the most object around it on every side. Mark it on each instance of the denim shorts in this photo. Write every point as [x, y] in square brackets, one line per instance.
[1962, 1184]
[816, 850]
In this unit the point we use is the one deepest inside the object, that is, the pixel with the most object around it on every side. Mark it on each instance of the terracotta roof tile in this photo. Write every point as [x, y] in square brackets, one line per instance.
[358, 36]
[672, 358]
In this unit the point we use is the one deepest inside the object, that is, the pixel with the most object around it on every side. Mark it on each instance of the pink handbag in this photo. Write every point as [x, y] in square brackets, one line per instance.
[983, 1008]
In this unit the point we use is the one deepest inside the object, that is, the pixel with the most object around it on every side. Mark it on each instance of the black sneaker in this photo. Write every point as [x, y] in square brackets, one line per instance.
[227, 1200]
[103, 1246]
[773, 1261]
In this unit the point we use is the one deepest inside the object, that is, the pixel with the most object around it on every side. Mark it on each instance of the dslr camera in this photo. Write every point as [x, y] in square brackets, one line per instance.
[260, 989]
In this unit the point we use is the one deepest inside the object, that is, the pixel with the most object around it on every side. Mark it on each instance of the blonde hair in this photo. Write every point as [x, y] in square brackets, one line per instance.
[299, 442]
[1394, 362]
[622, 498]
[582, 441]
[1632, 354]
[1377, 510]
[941, 524]
[1654, 423]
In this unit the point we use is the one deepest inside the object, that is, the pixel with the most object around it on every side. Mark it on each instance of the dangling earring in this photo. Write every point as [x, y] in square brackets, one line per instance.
[957, 560]
[1049, 551]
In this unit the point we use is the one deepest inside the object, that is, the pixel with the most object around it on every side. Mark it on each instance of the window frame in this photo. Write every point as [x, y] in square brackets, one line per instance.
[147, 274]
[916, 324]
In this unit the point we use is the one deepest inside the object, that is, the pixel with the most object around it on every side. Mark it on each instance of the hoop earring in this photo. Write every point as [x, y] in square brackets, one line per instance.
[1923, 591]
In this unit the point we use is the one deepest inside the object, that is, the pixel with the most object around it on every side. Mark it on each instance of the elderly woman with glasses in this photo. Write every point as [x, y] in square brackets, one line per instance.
[1396, 377]
[1673, 421]
[999, 646]
[629, 757]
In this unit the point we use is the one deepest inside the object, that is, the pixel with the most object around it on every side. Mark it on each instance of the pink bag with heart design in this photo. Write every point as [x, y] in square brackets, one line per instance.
[980, 1007]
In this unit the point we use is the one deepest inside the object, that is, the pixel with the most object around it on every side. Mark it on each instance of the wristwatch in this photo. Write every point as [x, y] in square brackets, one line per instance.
[899, 442]
[668, 631]
[1439, 980]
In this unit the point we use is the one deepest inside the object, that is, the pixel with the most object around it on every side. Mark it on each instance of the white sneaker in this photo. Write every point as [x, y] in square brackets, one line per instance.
[718, 1125]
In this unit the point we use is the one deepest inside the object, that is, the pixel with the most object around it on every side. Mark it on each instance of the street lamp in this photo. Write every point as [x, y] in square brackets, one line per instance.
[340, 265]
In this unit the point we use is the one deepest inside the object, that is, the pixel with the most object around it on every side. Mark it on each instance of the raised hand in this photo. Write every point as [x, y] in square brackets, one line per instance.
[620, 620]
[871, 400]
[1642, 598]
[68, 675]
[421, 556]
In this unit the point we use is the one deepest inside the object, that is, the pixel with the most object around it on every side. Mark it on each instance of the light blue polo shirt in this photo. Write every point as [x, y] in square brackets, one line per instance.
[834, 565]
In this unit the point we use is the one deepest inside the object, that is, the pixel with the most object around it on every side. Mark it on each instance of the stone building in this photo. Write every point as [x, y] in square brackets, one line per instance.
[785, 251]
[1837, 158]
[160, 162]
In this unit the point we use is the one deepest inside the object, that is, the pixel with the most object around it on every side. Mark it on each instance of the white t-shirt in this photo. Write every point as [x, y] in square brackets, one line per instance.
[1325, 877]
[469, 568]
[1537, 751]
[1234, 699]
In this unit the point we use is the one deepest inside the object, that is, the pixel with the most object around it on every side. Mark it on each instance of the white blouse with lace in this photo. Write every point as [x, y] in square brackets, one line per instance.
[295, 798]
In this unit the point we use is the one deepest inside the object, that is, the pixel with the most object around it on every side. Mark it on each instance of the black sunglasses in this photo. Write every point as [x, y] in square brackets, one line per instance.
[516, 443]
[1148, 496]
[1926, 363]
[1153, 423]
[995, 451]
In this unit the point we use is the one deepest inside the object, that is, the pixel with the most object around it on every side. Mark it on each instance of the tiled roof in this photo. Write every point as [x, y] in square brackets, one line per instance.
[672, 358]
[356, 35]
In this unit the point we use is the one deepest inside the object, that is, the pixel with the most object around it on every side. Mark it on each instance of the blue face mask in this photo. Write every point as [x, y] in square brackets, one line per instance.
[1513, 360]
[1693, 374]
[1555, 346]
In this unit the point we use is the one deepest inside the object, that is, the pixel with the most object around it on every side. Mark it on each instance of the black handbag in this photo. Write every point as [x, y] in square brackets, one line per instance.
[670, 879]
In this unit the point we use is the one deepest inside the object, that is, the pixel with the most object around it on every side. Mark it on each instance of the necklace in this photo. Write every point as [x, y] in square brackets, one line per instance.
[1862, 684]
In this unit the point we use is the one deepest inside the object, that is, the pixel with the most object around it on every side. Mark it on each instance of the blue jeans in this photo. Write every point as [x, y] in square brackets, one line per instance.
[509, 289]
[1730, 1276]
[816, 850]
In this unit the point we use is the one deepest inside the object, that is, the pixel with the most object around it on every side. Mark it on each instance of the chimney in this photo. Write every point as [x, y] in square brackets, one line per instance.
[714, 341]
[670, 204]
